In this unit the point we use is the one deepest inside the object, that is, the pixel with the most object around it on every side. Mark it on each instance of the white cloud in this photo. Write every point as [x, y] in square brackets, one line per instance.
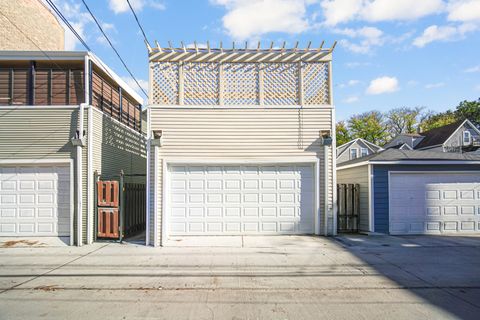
[351, 99]
[435, 85]
[464, 10]
[121, 6]
[247, 19]
[349, 83]
[356, 64]
[443, 33]
[368, 37]
[383, 85]
[132, 84]
[340, 11]
[473, 69]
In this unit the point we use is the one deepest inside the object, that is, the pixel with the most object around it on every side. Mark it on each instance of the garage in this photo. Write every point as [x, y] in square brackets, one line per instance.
[434, 202]
[35, 200]
[240, 199]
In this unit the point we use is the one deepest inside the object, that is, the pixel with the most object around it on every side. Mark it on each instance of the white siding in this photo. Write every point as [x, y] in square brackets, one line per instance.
[252, 133]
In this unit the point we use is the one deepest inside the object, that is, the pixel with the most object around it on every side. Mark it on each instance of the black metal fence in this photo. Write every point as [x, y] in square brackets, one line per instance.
[134, 209]
[348, 207]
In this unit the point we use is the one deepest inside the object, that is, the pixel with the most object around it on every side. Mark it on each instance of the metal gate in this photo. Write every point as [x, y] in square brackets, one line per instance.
[348, 207]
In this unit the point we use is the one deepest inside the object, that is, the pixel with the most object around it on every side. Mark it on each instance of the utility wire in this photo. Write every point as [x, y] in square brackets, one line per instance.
[114, 49]
[138, 22]
[62, 17]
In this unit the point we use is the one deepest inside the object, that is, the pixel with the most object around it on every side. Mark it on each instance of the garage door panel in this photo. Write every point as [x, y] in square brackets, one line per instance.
[247, 199]
[434, 203]
[35, 201]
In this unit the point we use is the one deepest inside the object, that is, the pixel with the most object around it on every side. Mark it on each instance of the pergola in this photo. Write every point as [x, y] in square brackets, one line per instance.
[236, 76]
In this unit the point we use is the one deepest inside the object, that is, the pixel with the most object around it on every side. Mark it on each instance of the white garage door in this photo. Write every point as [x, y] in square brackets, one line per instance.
[34, 201]
[434, 203]
[218, 200]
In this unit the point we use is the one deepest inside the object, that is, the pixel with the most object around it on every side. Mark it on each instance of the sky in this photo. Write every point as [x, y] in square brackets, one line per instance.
[390, 53]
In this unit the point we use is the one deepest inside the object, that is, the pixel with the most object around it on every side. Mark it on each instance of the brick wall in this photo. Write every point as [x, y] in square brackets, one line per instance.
[36, 22]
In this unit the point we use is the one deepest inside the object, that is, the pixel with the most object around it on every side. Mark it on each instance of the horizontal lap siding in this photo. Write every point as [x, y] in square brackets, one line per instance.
[380, 187]
[244, 133]
[37, 133]
[358, 175]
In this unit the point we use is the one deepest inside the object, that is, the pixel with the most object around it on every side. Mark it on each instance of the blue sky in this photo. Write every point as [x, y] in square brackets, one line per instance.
[390, 53]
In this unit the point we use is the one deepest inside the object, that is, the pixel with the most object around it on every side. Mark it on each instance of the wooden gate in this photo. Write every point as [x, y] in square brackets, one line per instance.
[348, 207]
[108, 216]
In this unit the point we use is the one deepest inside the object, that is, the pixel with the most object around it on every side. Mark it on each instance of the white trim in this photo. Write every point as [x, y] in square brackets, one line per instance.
[37, 107]
[155, 196]
[90, 213]
[361, 152]
[334, 175]
[325, 191]
[356, 153]
[148, 183]
[166, 162]
[460, 126]
[239, 107]
[69, 163]
[371, 203]
[165, 202]
[72, 201]
[317, 216]
[424, 162]
[464, 136]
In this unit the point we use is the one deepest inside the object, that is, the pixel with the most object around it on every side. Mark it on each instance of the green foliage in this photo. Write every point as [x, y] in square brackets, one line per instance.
[369, 126]
[468, 110]
[403, 120]
[438, 120]
[343, 136]
[378, 128]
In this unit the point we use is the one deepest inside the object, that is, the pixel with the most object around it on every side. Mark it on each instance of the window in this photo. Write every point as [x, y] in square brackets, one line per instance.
[363, 152]
[467, 138]
[353, 153]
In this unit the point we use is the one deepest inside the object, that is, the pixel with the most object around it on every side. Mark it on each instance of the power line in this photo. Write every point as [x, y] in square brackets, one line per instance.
[138, 22]
[111, 45]
[62, 17]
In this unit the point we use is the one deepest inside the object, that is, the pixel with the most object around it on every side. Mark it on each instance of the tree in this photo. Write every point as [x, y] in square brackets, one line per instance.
[403, 120]
[437, 120]
[343, 135]
[468, 110]
[369, 126]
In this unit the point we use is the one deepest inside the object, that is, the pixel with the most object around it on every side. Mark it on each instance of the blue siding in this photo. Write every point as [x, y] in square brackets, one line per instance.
[380, 186]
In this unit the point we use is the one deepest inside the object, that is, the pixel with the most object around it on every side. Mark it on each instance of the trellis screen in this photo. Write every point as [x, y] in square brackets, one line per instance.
[234, 83]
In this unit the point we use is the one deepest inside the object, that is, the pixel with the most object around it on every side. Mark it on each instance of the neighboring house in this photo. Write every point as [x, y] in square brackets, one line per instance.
[356, 149]
[29, 25]
[461, 136]
[63, 116]
[236, 142]
[404, 141]
[416, 192]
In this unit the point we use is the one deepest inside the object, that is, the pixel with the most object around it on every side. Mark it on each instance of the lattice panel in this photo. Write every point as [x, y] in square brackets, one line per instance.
[280, 83]
[315, 83]
[240, 84]
[165, 83]
[200, 83]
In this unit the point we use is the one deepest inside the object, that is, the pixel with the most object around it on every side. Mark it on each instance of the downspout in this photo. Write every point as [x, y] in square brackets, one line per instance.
[79, 146]
[325, 189]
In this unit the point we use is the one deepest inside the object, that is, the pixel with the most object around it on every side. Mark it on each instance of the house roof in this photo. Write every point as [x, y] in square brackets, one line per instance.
[412, 155]
[69, 56]
[373, 147]
[438, 136]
